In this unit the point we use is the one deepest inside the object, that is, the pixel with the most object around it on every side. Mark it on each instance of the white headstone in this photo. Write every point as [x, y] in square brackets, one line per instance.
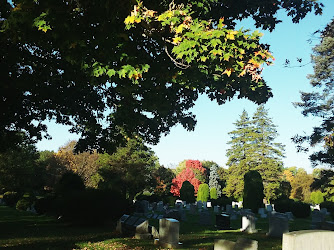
[308, 239]
[249, 224]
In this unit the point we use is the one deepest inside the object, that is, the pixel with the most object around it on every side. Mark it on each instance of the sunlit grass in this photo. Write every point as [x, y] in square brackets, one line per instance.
[23, 230]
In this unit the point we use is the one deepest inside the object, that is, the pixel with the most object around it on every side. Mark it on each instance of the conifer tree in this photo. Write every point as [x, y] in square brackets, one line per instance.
[253, 147]
[213, 180]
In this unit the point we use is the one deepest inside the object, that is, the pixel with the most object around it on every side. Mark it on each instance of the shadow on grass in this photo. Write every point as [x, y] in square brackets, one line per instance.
[23, 230]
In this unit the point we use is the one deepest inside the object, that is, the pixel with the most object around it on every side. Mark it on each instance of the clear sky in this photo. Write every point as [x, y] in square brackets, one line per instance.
[208, 141]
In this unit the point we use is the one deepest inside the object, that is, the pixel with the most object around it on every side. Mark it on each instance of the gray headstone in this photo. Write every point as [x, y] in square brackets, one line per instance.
[169, 232]
[205, 218]
[246, 244]
[278, 225]
[223, 221]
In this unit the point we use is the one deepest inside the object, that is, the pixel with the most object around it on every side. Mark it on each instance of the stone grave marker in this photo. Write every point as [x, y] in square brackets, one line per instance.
[269, 208]
[188, 206]
[205, 205]
[120, 222]
[278, 225]
[205, 218]
[223, 221]
[142, 229]
[324, 211]
[228, 208]
[169, 233]
[193, 209]
[209, 204]
[249, 223]
[199, 204]
[216, 209]
[240, 244]
[317, 219]
[289, 215]
[160, 206]
[308, 239]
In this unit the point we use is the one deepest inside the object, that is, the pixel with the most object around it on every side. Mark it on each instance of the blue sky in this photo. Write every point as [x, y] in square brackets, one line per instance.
[208, 141]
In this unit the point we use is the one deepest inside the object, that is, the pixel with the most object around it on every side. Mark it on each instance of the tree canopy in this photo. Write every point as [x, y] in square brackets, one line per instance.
[106, 66]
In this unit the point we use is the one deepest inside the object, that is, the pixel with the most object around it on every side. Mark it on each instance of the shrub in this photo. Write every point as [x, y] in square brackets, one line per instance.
[69, 182]
[10, 198]
[187, 192]
[253, 191]
[23, 204]
[170, 200]
[300, 209]
[283, 205]
[327, 204]
[213, 194]
[44, 205]
[222, 201]
[203, 193]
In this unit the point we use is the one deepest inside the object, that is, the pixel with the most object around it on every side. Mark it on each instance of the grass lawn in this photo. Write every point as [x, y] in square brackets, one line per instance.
[23, 230]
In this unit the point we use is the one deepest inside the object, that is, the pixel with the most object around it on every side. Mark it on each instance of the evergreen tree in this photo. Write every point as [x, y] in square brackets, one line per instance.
[319, 103]
[237, 156]
[266, 153]
[253, 148]
[213, 180]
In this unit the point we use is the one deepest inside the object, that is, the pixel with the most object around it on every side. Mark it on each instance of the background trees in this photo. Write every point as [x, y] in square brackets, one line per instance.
[253, 148]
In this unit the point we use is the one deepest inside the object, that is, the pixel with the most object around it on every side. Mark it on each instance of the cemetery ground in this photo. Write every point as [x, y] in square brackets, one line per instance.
[24, 230]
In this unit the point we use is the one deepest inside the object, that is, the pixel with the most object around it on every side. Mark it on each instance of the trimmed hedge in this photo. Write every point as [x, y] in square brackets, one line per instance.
[283, 205]
[300, 209]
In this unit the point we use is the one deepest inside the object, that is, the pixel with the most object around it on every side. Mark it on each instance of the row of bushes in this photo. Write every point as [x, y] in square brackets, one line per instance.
[73, 203]
[300, 209]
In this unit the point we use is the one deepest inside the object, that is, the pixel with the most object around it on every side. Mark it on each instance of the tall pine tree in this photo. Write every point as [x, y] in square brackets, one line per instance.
[253, 147]
[237, 156]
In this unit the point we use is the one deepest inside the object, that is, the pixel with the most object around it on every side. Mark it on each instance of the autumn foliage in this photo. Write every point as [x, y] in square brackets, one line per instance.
[187, 174]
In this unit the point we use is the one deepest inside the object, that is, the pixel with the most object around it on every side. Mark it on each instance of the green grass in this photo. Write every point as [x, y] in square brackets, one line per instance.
[23, 230]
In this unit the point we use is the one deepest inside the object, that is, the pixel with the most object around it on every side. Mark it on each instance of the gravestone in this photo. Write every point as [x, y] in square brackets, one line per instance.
[160, 206]
[317, 219]
[184, 203]
[278, 225]
[205, 205]
[120, 222]
[205, 218]
[169, 233]
[178, 205]
[249, 224]
[142, 229]
[324, 211]
[174, 214]
[228, 208]
[209, 204]
[246, 244]
[193, 209]
[199, 204]
[308, 239]
[262, 213]
[216, 209]
[223, 222]
[289, 215]
[155, 233]
[188, 207]
[240, 244]
[233, 215]
[269, 208]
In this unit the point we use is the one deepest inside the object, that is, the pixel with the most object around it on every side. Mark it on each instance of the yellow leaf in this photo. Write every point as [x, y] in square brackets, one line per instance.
[242, 73]
[129, 19]
[179, 29]
[177, 40]
[230, 34]
[228, 71]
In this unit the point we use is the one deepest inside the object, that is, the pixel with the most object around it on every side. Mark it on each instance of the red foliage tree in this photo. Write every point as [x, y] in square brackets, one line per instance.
[187, 174]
